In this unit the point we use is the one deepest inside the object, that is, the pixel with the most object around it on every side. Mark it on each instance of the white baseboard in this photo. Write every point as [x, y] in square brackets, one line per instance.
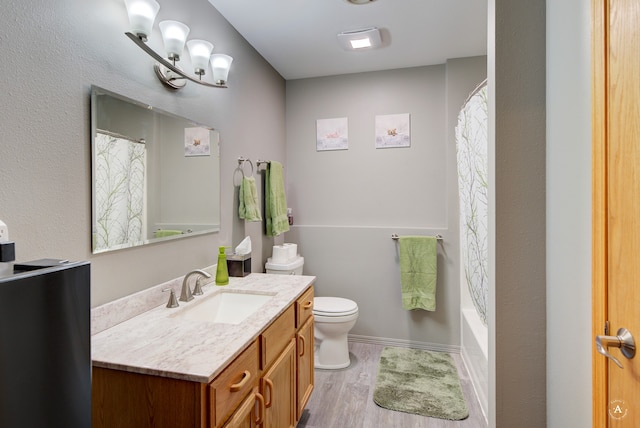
[385, 341]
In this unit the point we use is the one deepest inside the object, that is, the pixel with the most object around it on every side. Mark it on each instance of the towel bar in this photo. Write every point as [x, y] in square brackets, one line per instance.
[260, 162]
[396, 237]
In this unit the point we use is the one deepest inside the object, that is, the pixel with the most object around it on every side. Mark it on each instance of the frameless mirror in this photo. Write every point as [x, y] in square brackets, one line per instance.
[155, 175]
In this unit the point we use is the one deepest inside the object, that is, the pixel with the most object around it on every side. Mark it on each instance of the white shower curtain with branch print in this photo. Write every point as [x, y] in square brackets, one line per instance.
[120, 192]
[472, 145]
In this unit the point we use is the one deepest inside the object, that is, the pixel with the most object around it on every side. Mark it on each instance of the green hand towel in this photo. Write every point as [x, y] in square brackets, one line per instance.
[275, 200]
[165, 232]
[418, 272]
[249, 207]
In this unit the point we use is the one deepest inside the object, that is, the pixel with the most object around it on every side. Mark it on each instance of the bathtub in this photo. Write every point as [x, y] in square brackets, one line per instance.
[475, 346]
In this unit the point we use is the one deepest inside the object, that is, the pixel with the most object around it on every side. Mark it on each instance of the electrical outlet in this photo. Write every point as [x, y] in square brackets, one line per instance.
[4, 232]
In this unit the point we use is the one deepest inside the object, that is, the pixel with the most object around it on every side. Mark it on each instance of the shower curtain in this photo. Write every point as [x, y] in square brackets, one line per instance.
[471, 142]
[120, 194]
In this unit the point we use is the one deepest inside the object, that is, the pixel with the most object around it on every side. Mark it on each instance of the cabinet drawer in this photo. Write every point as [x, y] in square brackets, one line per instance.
[304, 307]
[234, 383]
[276, 337]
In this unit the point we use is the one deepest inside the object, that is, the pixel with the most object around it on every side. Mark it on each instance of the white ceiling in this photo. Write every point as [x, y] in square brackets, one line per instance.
[298, 37]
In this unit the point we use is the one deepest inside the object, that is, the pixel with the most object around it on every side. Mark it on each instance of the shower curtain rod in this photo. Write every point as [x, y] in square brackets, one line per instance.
[475, 91]
[116, 135]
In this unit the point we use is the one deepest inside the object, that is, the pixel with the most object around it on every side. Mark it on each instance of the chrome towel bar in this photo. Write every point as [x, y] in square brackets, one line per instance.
[396, 237]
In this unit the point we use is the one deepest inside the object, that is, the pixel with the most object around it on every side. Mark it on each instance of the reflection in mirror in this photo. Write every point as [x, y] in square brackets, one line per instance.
[156, 176]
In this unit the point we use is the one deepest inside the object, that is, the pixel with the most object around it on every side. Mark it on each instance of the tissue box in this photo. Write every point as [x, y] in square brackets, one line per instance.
[239, 266]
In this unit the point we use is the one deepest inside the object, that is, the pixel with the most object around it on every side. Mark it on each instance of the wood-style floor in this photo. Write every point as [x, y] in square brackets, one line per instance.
[344, 398]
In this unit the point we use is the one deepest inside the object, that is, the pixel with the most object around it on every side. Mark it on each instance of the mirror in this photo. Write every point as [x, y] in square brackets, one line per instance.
[155, 175]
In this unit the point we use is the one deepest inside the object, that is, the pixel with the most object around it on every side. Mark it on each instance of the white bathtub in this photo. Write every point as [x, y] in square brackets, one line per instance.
[475, 346]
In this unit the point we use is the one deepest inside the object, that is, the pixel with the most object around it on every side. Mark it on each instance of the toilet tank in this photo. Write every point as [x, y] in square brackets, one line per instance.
[291, 267]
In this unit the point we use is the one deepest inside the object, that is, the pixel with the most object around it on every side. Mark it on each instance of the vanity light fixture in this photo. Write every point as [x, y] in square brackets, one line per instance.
[360, 39]
[142, 14]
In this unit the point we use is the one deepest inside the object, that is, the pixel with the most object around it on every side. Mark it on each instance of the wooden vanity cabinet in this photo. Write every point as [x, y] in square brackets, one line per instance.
[287, 380]
[124, 399]
[267, 385]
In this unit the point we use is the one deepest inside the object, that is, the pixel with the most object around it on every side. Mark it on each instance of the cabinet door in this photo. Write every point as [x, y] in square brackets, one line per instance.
[304, 340]
[249, 414]
[278, 386]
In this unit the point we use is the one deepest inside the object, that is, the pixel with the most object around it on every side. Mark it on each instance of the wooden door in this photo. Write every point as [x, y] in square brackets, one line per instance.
[249, 414]
[279, 390]
[616, 206]
[305, 365]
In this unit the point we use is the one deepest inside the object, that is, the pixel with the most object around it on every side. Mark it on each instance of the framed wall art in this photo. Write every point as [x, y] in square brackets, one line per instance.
[332, 134]
[393, 130]
[196, 141]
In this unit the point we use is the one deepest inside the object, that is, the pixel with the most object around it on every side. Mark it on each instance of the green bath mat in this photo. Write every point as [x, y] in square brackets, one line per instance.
[421, 382]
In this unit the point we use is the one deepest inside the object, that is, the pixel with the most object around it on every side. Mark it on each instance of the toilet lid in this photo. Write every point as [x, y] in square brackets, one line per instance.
[333, 306]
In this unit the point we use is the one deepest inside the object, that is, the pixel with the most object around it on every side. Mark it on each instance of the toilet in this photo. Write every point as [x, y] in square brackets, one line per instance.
[333, 317]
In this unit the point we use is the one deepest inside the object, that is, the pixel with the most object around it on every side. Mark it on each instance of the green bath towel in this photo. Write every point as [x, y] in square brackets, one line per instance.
[275, 200]
[249, 207]
[418, 272]
[161, 233]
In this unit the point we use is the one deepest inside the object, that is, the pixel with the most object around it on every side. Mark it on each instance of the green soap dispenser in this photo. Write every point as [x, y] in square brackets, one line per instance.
[222, 272]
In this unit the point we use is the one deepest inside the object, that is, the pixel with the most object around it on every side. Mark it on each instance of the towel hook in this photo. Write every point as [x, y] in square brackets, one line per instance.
[241, 162]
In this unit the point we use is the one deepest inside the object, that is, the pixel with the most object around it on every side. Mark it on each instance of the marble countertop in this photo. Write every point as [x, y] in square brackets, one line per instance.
[157, 342]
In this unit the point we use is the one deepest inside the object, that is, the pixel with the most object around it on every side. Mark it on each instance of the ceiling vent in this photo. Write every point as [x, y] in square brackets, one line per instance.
[368, 38]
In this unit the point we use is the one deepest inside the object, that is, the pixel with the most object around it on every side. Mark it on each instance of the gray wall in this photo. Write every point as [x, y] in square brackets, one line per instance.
[517, 214]
[54, 52]
[568, 213]
[348, 203]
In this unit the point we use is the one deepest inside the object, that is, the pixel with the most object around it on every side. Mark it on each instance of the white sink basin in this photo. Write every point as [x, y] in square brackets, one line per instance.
[229, 307]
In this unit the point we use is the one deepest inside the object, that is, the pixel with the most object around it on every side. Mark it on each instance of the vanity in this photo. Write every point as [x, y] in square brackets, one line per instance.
[174, 367]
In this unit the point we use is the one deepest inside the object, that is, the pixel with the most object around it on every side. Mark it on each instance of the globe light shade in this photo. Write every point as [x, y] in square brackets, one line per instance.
[141, 13]
[220, 63]
[174, 35]
[200, 52]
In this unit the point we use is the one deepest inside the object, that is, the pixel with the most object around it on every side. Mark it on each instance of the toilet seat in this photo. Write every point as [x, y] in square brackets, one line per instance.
[334, 307]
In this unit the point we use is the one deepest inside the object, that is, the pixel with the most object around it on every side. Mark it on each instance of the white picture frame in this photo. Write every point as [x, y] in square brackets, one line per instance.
[393, 130]
[197, 141]
[332, 134]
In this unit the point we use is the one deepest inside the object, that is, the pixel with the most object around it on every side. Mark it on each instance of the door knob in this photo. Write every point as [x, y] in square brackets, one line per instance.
[623, 340]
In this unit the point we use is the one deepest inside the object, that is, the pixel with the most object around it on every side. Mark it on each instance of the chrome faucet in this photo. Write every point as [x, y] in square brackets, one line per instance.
[185, 294]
